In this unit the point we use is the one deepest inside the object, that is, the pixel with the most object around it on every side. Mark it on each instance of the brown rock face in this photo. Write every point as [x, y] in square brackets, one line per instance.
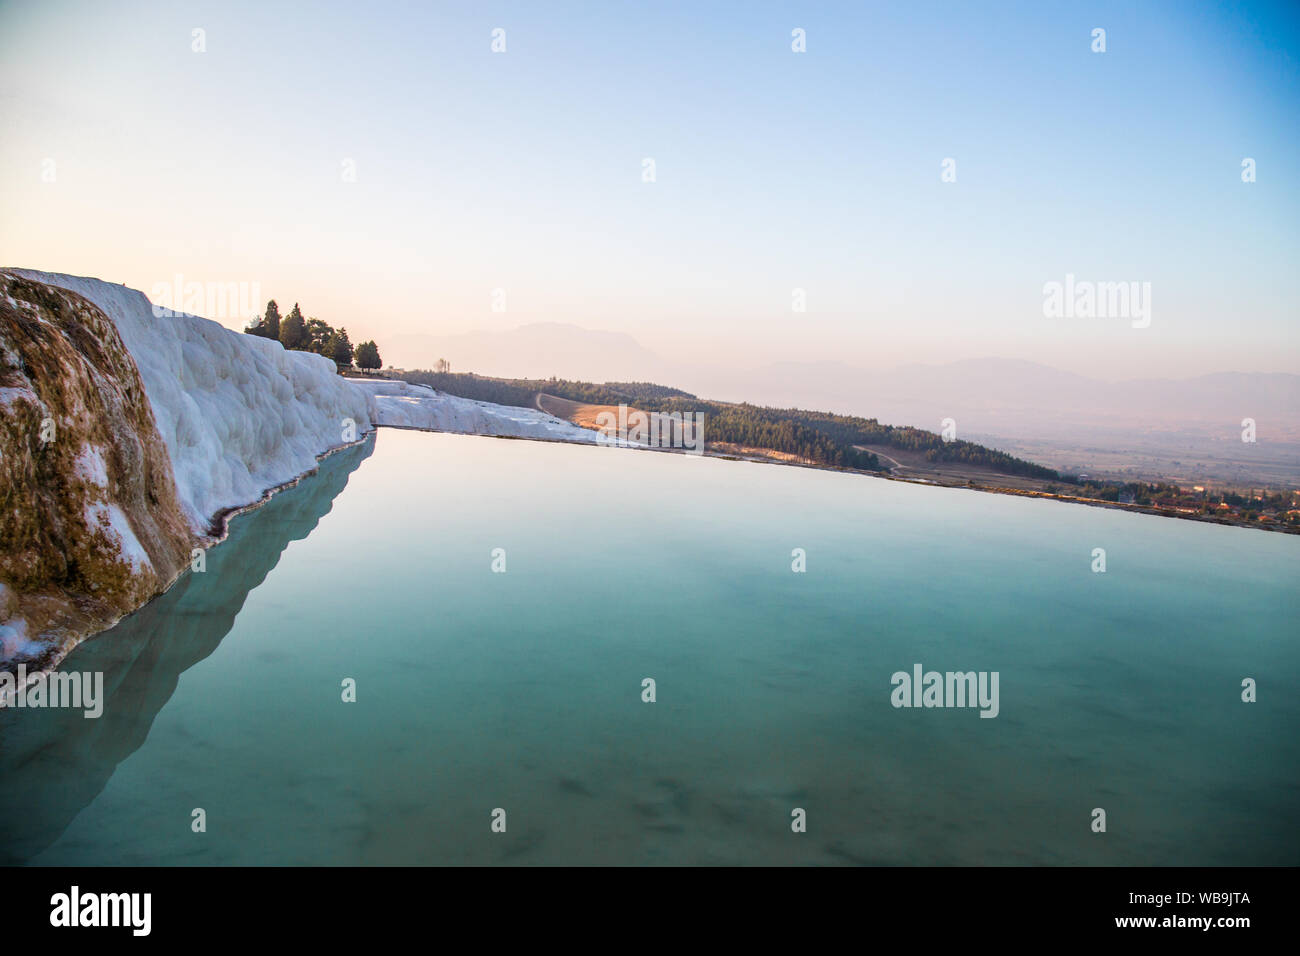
[90, 525]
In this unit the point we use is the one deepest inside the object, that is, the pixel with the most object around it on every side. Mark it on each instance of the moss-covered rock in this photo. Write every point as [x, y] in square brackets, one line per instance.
[90, 523]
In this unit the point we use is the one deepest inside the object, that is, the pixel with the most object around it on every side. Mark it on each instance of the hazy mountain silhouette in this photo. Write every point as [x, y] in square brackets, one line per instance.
[1029, 399]
[985, 395]
[1150, 428]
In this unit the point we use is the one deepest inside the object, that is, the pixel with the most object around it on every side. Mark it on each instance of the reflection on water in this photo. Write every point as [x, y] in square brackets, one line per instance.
[55, 761]
[523, 690]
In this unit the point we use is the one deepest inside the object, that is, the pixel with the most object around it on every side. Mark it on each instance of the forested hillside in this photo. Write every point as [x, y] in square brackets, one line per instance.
[822, 437]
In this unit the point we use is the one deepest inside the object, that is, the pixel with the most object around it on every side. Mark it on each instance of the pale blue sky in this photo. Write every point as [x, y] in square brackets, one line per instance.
[775, 170]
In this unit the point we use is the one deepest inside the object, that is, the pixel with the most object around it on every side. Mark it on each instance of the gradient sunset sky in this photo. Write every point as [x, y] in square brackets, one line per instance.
[775, 170]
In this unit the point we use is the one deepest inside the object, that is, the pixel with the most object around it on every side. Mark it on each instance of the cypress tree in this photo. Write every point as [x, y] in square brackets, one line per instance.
[271, 324]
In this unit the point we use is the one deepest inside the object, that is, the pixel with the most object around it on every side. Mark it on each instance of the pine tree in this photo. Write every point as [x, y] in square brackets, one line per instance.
[293, 330]
[331, 344]
[341, 350]
[318, 336]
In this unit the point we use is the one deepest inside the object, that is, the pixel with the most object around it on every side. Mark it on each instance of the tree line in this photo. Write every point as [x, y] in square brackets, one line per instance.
[831, 439]
[314, 335]
[821, 437]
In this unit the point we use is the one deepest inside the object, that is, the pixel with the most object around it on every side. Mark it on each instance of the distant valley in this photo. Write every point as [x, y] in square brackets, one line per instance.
[1186, 430]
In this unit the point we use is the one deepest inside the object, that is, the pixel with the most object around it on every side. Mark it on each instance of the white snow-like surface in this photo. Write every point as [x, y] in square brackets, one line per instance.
[13, 632]
[403, 405]
[91, 466]
[114, 521]
[239, 414]
[9, 394]
[14, 639]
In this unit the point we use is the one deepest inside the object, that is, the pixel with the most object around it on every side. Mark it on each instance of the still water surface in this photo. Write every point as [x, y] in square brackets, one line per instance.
[523, 690]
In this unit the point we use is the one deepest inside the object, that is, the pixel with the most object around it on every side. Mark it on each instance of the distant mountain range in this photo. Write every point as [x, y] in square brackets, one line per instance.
[988, 396]
[1015, 397]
